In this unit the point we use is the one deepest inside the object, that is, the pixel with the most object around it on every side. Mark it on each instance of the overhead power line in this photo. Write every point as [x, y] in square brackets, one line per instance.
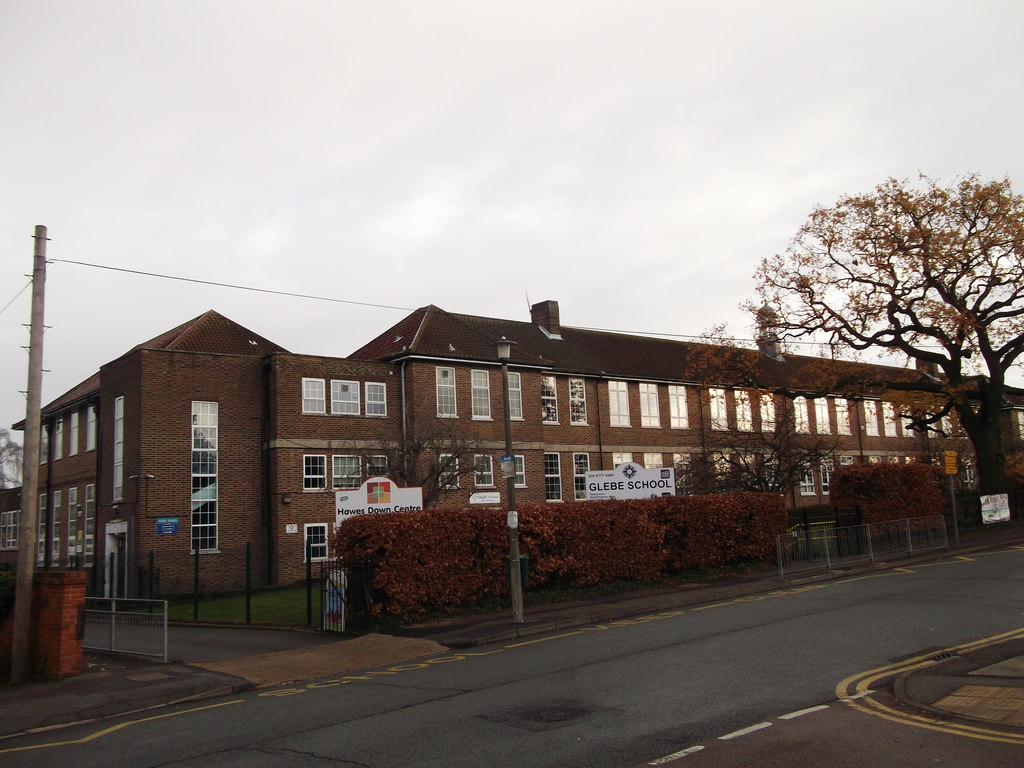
[370, 304]
[8, 304]
[231, 285]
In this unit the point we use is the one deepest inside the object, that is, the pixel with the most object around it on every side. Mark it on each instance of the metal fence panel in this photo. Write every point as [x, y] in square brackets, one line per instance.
[826, 546]
[123, 625]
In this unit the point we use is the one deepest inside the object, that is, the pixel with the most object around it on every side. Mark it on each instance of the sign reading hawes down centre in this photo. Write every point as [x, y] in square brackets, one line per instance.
[631, 481]
[377, 496]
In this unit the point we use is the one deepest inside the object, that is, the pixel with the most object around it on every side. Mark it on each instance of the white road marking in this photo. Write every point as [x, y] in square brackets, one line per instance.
[802, 712]
[675, 755]
[744, 731]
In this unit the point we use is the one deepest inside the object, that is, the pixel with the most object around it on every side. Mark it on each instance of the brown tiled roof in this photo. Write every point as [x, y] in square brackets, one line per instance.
[212, 332]
[432, 332]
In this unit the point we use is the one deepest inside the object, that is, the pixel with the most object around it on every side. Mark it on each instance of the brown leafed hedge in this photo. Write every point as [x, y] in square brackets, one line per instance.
[881, 492]
[444, 559]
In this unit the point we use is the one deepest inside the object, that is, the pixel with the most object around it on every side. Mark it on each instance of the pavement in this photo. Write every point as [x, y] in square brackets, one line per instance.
[982, 684]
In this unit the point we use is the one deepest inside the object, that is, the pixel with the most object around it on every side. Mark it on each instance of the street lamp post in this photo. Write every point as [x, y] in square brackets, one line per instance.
[504, 347]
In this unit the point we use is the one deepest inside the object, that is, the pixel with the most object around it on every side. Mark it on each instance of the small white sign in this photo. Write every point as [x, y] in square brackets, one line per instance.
[377, 496]
[995, 509]
[631, 481]
[291, 528]
[485, 497]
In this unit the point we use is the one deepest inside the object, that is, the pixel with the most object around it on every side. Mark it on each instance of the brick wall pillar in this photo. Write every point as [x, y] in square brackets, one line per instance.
[58, 605]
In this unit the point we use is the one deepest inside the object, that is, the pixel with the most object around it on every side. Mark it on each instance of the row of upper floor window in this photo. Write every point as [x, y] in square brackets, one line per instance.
[67, 435]
[347, 398]
[660, 405]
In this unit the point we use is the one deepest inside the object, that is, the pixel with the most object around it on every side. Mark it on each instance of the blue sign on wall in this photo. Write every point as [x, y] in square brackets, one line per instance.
[167, 525]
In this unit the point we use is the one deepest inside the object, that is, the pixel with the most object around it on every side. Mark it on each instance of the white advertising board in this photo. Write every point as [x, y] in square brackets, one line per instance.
[995, 509]
[377, 496]
[631, 481]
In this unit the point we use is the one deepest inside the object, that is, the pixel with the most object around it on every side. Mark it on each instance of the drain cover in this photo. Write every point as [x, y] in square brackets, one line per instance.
[547, 716]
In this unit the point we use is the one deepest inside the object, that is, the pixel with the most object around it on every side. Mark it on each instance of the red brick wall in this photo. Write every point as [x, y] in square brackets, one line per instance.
[58, 602]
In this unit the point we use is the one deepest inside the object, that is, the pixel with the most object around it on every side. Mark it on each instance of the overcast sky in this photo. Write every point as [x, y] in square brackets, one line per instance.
[632, 160]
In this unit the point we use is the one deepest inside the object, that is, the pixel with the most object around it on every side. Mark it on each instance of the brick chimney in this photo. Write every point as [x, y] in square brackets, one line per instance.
[545, 315]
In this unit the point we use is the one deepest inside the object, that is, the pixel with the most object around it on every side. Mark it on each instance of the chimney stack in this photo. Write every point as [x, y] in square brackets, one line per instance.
[767, 337]
[545, 315]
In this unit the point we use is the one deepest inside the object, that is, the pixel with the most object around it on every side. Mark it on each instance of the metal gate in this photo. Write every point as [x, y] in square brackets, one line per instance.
[126, 625]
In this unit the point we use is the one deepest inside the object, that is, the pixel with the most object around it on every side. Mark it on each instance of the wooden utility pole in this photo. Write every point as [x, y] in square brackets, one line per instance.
[21, 650]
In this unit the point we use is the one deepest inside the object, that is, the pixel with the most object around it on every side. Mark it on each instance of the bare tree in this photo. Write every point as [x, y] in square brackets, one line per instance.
[434, 456]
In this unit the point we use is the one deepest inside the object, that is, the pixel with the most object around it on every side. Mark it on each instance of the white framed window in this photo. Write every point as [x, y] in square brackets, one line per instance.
[205, 496]
[744, 415]
[552, 477]
[621, 458]
[90, 428]
[444, 379]
[345, 397]
[520, 479]
[650, 413]
[618, 403]
[9, 522]
[376, 398]
[769, 420]
[842, 416]
[314, 472]
[677, 410]
[58, 500]
[314, 536]
[800, 418]
[515, 396]
[41, 530]
[908, 425]
[580, 467]
[313, 396]
[871, 418]
[117, 468]
[89, 524]
[73, 434]
[481, 394]
[377, 466]
[684, 477]
[548, 400]
[483, 471]
[889, 420]
[58, 439]
[807, 486]
[821, 419]
[449, 471]
[346, 472]
[719, 410]
[653, 461]
[845, 461]
[72, 525]
[577, 402]
[827, 467]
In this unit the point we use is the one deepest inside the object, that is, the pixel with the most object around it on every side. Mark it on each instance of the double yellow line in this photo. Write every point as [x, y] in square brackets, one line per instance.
[856, 691]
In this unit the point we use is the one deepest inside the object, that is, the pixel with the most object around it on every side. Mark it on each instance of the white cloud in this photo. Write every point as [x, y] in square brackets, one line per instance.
[631, 160]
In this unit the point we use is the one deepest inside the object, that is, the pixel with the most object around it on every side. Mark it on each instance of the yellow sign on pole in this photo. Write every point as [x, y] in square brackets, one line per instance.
[950, 462]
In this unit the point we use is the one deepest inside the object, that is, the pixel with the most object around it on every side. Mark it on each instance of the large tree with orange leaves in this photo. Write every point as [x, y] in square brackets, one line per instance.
[933, 272]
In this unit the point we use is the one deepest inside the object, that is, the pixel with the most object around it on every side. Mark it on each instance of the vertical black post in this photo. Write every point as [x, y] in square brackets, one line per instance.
[195, 585]
[150, 574]
[309, 581]
[248, 582]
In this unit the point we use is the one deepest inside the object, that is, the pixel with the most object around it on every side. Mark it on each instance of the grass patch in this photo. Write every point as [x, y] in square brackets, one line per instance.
[272, 606]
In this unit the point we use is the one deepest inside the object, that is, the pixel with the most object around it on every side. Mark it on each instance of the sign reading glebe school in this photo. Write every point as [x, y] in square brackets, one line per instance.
[631, 481]
[377, 496]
